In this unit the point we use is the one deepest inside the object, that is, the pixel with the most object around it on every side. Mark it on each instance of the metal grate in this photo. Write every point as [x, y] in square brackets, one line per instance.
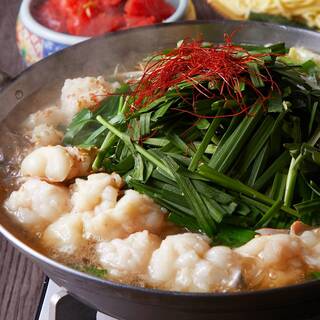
[59, 305]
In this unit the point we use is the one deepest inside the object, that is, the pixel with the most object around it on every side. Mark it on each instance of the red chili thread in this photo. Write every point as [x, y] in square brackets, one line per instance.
[193, 63]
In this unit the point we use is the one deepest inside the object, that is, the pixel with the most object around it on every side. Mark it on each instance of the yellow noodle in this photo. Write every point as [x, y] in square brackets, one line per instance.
[307, 11]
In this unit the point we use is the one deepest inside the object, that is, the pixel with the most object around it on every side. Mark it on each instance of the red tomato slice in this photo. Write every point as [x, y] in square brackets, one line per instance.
[98, 25]
[138, 21]
[95, 17]
[59, 5]
[160, 9]
[81, 15]
[110, 3]
[49, 16]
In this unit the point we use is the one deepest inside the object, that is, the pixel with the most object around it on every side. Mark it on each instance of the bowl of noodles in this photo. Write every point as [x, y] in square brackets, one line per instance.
[300, 13]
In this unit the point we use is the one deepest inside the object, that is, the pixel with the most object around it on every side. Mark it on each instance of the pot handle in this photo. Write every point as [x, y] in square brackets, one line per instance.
[5, 79]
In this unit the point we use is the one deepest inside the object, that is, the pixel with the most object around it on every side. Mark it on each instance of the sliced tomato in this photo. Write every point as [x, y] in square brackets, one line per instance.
[76, 25]
[95, 17]
[98, 25]
[80, 14]
[48, 15]
[106, 22]
[110, 3]
[60, 6]
[138, 21]
[160, 9]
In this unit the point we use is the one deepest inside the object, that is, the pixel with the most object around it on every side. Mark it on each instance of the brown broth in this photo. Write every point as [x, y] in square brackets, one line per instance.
[14, 146]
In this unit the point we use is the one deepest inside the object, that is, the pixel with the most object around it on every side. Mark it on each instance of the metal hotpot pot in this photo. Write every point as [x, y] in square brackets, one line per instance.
[40, 83]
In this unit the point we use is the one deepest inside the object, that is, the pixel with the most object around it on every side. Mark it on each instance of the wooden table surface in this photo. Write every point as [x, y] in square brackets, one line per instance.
[21, 280]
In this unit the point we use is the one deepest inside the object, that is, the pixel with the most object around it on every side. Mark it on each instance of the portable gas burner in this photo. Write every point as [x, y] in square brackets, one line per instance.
[57, 304]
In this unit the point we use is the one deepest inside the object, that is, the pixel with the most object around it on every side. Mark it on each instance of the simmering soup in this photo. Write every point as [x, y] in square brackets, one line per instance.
[198, 173]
